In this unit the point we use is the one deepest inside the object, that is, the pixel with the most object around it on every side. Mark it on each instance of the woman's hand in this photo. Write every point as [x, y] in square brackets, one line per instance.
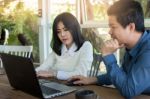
[44, 73]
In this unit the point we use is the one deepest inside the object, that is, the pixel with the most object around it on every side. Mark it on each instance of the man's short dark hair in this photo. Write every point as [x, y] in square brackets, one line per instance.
[128, 11]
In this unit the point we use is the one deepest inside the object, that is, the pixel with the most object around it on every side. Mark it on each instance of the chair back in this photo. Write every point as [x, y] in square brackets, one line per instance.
[24, 51]
[97, 58]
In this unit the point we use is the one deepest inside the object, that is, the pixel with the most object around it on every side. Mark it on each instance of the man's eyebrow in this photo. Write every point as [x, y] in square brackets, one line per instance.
[110, 24]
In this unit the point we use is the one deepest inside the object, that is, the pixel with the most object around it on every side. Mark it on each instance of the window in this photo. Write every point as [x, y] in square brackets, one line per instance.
[59, 6]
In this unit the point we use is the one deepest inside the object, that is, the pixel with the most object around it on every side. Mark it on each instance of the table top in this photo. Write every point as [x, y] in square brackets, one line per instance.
[7, 92]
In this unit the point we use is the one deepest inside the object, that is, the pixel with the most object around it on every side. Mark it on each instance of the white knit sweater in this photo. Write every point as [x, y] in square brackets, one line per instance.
[70, 63]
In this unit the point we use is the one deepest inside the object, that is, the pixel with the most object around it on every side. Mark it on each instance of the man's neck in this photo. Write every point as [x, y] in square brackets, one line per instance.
[133, 40]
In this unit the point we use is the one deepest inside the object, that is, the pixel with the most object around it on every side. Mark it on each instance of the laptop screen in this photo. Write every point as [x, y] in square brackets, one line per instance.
[21, 74]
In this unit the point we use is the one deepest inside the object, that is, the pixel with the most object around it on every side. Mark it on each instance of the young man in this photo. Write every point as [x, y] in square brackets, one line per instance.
[126, 22]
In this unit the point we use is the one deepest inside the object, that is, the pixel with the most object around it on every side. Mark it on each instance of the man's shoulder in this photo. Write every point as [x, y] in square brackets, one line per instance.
[148, 44]
[147, 41]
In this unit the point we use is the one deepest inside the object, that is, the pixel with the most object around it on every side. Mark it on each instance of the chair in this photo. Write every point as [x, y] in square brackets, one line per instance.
[24, 51]
[97, 59]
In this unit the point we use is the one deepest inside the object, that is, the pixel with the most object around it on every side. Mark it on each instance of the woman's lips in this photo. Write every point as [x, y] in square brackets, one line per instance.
[64, 40]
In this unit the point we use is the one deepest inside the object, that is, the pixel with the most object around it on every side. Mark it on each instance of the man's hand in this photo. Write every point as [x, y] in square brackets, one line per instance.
[83, 80]
[110, 47]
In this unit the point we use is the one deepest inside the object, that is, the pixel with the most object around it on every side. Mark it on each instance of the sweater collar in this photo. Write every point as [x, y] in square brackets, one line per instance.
[69, 51]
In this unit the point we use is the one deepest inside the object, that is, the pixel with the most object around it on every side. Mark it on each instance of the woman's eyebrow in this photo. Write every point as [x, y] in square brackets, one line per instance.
[61, 28]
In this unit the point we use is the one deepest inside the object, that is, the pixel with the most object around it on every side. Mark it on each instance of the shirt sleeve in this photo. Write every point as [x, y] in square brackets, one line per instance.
[135, 81]
[48, 63]
[103, 80]
[85, 61]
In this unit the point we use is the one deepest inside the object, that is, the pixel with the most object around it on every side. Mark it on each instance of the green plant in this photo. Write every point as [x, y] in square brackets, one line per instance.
[21, 20]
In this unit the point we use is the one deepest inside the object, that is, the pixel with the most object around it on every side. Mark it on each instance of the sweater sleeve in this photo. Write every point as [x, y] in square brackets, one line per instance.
[48, 63]
[83, 65]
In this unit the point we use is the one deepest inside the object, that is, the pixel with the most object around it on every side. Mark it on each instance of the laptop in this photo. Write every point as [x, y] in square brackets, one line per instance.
[22, 76]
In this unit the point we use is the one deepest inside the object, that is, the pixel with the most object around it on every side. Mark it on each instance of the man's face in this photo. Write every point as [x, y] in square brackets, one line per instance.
[117, 31]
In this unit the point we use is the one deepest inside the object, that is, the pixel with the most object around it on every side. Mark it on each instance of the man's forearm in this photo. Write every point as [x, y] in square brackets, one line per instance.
[92, 80]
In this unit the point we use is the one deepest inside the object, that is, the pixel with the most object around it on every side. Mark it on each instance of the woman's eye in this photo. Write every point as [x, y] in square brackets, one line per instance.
[58, 32]
[65, 29]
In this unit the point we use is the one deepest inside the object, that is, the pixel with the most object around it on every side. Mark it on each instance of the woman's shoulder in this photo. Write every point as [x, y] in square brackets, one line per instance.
[87, 43]
[86, 46]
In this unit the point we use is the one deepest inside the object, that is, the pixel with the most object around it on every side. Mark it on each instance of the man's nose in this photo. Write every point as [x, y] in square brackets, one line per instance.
[110, 32]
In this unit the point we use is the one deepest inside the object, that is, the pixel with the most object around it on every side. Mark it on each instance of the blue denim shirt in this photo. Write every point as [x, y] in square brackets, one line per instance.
[133, 78]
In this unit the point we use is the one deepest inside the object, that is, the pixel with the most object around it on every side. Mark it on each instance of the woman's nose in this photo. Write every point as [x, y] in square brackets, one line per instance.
[62, 33]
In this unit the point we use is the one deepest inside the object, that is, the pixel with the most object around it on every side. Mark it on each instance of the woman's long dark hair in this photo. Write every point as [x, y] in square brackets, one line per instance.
[71, 23]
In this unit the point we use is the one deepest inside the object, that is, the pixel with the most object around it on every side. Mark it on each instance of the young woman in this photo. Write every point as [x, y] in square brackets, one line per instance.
[71, 54]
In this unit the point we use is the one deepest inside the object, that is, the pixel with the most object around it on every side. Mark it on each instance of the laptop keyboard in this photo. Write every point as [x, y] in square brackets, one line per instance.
[54, 85]
[58, 86]
[42, 81]
[54, 89]
[47, 90]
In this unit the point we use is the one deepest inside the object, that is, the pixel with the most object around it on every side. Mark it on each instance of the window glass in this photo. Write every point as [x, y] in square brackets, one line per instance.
[146, 7]
[59, 6]
[97, 36]
[96, 10]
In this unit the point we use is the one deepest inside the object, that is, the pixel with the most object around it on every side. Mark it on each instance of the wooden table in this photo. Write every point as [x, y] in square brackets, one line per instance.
[7, 92]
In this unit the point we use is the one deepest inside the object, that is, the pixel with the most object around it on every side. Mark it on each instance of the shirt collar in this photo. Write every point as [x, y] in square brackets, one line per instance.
[69, 51]
[137, 47]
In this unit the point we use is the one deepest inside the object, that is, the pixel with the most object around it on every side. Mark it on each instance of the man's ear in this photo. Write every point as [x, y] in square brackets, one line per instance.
[132, 27]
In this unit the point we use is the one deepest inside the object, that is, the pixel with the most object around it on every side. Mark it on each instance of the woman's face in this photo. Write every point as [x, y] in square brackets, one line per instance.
[64, 35]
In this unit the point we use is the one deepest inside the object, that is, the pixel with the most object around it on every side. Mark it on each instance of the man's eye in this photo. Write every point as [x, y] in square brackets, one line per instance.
[112, 27]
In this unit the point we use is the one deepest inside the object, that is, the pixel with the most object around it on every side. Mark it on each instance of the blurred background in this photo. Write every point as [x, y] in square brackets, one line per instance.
[33, 19]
